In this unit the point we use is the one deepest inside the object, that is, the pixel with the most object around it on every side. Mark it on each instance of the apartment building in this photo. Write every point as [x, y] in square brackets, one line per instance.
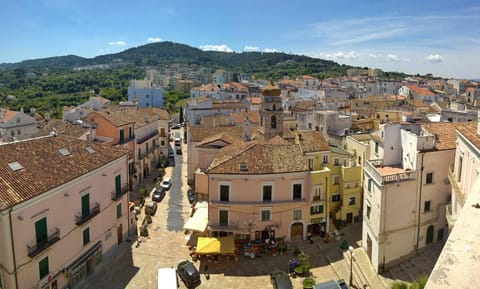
[63, 205]
[406, 190]
[143, 131]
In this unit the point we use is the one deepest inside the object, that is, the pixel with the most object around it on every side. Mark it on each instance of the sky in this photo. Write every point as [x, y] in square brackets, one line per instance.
[441, 37]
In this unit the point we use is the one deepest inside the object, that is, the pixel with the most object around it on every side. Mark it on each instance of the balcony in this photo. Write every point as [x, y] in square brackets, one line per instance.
[37, 248]
[147, 137]
[450, 218]
[126, 140]
[387, 174]
[82, 219]
[460, 195]
[116, 196]
[250, 203]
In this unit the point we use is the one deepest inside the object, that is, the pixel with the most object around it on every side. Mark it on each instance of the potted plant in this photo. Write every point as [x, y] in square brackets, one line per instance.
[303, 269]
[308, 283]
[144, 231]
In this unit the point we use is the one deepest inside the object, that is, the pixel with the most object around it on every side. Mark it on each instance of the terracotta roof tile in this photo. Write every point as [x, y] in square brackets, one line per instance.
[469, 130]
[45, 168]
[9, 114]
[420, 90]
[446, 134]
[120, 116]
[259, 158]
[312, 141]
[214, 120]
[199, 133]
[253, 116]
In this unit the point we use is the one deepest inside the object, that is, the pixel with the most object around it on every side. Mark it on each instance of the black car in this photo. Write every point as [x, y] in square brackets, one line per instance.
[159, 194]
[189, 274]
[179, 151]
[280, 280]
[177, 126]
[191, 196]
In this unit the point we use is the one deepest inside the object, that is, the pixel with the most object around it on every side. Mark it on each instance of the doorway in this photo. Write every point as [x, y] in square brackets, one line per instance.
[440, 235]
[349, 218]
[296, 231]
[119, 234]
[430, 234]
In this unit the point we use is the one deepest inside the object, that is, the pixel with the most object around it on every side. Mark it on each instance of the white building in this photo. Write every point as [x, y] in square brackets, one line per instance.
[145, 94]
[16, 125]
[406, 190]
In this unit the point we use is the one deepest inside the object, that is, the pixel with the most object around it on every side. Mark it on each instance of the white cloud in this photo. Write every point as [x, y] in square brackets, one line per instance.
[250, 48]
[221, 48]
[373, 56]
[393, 57]
[434, 58]
[154, 39]
[270, 50]
[352, 55]
[117, 43]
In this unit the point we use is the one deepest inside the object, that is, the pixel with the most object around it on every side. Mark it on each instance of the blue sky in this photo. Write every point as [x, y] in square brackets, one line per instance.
[439, 37]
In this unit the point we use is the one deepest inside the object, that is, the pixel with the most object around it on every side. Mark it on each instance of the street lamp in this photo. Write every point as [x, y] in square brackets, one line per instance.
[350, 249]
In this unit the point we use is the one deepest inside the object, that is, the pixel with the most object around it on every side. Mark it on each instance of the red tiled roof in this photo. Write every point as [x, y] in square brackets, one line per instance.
[445, 132]
[420, 90]
[9, 114]
[45, 168]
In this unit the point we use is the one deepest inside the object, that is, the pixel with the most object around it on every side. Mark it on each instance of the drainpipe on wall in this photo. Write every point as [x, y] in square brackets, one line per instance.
[327, 208]
[419, 204]
[13, 247]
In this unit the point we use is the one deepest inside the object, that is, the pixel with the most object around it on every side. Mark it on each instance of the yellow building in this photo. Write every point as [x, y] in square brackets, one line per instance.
[336, 182]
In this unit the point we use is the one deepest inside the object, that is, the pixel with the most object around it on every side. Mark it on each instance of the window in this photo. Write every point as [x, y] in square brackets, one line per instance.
[336, 198]
[370, 185]
[376, 148]
[118, 185]
[336, 161]
[325, 159]
[336, 180]
[41, 231]
[426, 206]
[162, 142]
[86, 236]
[297, 191]
[223, 217]
[243, 167]
[224, 193]
[18, 132]
[297, 215]
[122, 136]
[317, 193]
[460, 164]
[369, 210]
[139, 153]
[429, 179]
[130, 132]
[85, 205]
[351, 201]
[318, 209]
[119, 210]
[43, 267]
[310, 164]
[273, 122]
[267, 193]
[265, 215]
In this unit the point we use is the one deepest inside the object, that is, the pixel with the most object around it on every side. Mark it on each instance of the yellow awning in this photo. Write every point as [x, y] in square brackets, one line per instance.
[221, 245]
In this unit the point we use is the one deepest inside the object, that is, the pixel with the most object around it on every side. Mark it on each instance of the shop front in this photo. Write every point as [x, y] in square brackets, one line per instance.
[317, 227]
[84, 265]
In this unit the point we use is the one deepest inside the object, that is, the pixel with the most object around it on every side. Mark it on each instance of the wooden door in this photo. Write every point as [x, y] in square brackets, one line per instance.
[119, 234]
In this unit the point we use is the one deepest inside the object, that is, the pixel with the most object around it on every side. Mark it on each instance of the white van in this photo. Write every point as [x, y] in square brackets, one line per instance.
[177, 139]
[167, 278]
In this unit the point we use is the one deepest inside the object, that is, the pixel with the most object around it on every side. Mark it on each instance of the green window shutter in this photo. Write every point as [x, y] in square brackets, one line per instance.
[41, 230]
[223, 218]
[122, 136]
[118, 185]
[85, 205]
[86, 236]
[43, 267]
[119, 211]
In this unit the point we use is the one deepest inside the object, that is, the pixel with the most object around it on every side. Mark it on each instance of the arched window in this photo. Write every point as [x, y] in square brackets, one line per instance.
[273, 121]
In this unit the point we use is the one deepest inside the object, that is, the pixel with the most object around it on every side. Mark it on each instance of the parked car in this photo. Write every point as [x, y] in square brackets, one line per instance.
[189, 274]
[280, 280]
[166, 183]
[177, 126]
[150, 208]
[191, 196]
[179, 151]
[159, 194]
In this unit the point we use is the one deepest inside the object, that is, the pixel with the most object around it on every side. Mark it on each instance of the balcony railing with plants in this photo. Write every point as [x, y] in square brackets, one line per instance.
[82, 219]
[117, 195]
[37, 248]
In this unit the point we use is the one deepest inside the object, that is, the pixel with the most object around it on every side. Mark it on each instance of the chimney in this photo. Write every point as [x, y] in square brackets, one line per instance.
[247, 126]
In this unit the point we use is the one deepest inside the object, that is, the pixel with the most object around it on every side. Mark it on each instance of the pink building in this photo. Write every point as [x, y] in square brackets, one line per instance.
[63, 204]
